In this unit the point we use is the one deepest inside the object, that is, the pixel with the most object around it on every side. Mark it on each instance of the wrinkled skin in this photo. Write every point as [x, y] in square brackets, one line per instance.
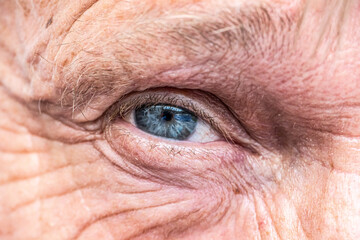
[291, 171]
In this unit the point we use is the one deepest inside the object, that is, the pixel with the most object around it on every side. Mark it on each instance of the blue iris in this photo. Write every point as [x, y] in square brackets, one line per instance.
[166, 121]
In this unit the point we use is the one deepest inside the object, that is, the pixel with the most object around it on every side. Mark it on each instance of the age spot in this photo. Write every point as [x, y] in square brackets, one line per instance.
[49, 22]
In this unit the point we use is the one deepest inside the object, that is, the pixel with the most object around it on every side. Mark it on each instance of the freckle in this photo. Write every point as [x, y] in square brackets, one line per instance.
[49, 22]
[65, 63]
[236, 190]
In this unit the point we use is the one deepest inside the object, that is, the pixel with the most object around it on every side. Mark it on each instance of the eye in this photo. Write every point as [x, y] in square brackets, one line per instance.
[172, 122]
[175, 115]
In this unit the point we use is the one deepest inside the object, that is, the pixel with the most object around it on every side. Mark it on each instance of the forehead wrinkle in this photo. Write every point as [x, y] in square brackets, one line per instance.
[192, 35]
[328, 27]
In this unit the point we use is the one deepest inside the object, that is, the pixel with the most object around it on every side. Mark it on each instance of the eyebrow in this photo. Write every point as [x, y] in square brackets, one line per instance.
[195, 35]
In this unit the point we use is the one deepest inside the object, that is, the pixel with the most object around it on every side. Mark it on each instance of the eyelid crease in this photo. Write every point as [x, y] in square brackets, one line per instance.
[230, 129]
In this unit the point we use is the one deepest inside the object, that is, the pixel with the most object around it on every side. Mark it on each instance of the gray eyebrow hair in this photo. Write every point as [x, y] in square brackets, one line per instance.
[226, 27]
[195, 34]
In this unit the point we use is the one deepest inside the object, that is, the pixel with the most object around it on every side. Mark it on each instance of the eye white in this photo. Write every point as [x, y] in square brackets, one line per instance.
[203, 133]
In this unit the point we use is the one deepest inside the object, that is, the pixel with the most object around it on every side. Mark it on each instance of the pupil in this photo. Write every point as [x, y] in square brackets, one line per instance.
[167, 116]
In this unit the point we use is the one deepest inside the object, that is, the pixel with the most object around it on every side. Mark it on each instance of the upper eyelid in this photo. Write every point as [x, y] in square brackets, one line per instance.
[124, 106]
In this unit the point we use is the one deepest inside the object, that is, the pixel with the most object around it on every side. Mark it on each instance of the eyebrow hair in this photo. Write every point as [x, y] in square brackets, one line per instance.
[194, 35]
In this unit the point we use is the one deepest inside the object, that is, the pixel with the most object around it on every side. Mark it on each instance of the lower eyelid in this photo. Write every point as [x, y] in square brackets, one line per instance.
[161, 156]
[126, 128]
[185, 164]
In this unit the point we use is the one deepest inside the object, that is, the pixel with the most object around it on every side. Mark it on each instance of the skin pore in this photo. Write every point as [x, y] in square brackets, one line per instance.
[277, 82]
